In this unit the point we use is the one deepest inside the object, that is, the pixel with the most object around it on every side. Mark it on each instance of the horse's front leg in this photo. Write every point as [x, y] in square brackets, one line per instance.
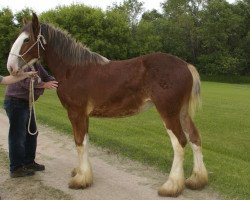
[82, 175]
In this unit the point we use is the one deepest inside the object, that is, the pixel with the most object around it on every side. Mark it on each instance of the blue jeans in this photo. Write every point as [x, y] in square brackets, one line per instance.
[22, 145]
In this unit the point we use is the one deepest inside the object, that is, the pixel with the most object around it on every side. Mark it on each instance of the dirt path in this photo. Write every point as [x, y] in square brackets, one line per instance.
[115, 178]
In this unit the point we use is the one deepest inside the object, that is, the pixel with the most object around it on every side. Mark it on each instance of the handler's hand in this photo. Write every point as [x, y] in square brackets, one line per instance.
[30, 74]
[50, 85]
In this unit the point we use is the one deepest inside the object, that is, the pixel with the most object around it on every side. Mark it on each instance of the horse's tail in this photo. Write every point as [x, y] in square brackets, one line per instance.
[195, 97]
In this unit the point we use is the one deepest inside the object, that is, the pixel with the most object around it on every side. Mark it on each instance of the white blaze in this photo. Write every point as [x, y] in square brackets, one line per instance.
[13, 59]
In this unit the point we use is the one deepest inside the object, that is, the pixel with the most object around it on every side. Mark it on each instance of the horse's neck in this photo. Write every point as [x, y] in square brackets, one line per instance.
[56, 65]
[60, 68]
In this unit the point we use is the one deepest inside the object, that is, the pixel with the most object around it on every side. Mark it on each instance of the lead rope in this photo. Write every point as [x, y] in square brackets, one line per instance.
[40, 40]
[32, 104]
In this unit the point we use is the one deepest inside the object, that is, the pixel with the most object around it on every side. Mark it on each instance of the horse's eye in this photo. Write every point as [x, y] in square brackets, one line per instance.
[26, 40]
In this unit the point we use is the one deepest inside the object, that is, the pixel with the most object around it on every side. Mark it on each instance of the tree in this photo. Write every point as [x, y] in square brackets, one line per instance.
[152, 15]
[21, 15]
[181, 28]
[220, 34]
[241, 44]
[83, 22]
[107, 33]
[132, 8]
[8, 33]
[148, 35]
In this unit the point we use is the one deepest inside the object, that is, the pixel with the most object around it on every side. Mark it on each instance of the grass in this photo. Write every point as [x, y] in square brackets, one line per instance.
[227, 78]
[223, 122]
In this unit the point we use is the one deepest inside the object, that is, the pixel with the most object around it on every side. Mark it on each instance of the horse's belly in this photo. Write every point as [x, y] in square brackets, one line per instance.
[120, 110]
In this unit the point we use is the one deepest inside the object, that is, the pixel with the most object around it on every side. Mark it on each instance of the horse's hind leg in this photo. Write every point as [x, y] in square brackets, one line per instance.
[175, 183]
[199, 177]
[82, 175]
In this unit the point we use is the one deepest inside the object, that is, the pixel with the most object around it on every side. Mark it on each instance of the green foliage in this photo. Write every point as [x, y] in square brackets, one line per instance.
[83, 22]
[8, 33]
[213, 34]
[116, 35]
[25, 14]
[150, 42]
[241, 49]
[181, 36]
[226, 79]
[132, 9]
[151, 24]
[220, 34]
[107, 33]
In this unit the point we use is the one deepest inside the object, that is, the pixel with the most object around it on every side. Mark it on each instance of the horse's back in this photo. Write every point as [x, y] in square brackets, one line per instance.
[166, 61]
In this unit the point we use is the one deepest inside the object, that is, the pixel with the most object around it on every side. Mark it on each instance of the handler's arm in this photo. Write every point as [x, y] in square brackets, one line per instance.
[13, 79]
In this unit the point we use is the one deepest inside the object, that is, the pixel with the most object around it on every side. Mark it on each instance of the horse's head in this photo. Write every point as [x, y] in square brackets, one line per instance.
[27, 48]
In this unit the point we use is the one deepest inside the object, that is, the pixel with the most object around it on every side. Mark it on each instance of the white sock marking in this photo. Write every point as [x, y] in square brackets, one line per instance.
[84, 163]
[177, 166]
[199, 166]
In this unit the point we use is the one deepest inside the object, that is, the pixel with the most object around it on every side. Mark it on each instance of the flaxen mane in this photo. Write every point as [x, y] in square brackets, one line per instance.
[69, 49]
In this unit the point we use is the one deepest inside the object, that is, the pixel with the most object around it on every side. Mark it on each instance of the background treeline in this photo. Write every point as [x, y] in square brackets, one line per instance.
[211, 34]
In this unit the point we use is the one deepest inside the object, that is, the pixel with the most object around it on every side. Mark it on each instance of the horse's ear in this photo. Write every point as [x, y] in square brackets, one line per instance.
[35, 25]
[25, 21]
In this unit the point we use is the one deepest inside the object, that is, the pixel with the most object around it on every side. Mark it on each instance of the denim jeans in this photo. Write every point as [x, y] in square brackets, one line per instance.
[22, 145]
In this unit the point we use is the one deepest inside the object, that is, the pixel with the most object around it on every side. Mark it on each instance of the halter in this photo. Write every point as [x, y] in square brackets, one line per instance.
[40, 40]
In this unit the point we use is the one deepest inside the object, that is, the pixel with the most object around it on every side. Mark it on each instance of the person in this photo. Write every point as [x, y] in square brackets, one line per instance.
[22, 145]
[6, 80]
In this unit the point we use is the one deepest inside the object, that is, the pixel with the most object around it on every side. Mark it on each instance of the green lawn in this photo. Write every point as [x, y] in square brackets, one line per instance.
[224, 123]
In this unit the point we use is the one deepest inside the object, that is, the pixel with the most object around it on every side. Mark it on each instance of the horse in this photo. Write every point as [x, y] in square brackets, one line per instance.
[90, 85]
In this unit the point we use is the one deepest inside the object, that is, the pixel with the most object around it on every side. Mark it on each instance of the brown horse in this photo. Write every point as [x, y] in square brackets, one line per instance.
[90, 85]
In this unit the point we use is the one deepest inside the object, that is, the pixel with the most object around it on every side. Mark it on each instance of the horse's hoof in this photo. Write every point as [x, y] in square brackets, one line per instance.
[172, 188]
[81, 180]
[197, 181]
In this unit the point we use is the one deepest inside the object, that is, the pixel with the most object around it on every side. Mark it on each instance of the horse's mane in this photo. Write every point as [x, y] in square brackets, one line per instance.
[69, 49]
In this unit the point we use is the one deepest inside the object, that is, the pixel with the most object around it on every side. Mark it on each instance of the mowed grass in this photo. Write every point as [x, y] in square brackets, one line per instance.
[224, 123]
